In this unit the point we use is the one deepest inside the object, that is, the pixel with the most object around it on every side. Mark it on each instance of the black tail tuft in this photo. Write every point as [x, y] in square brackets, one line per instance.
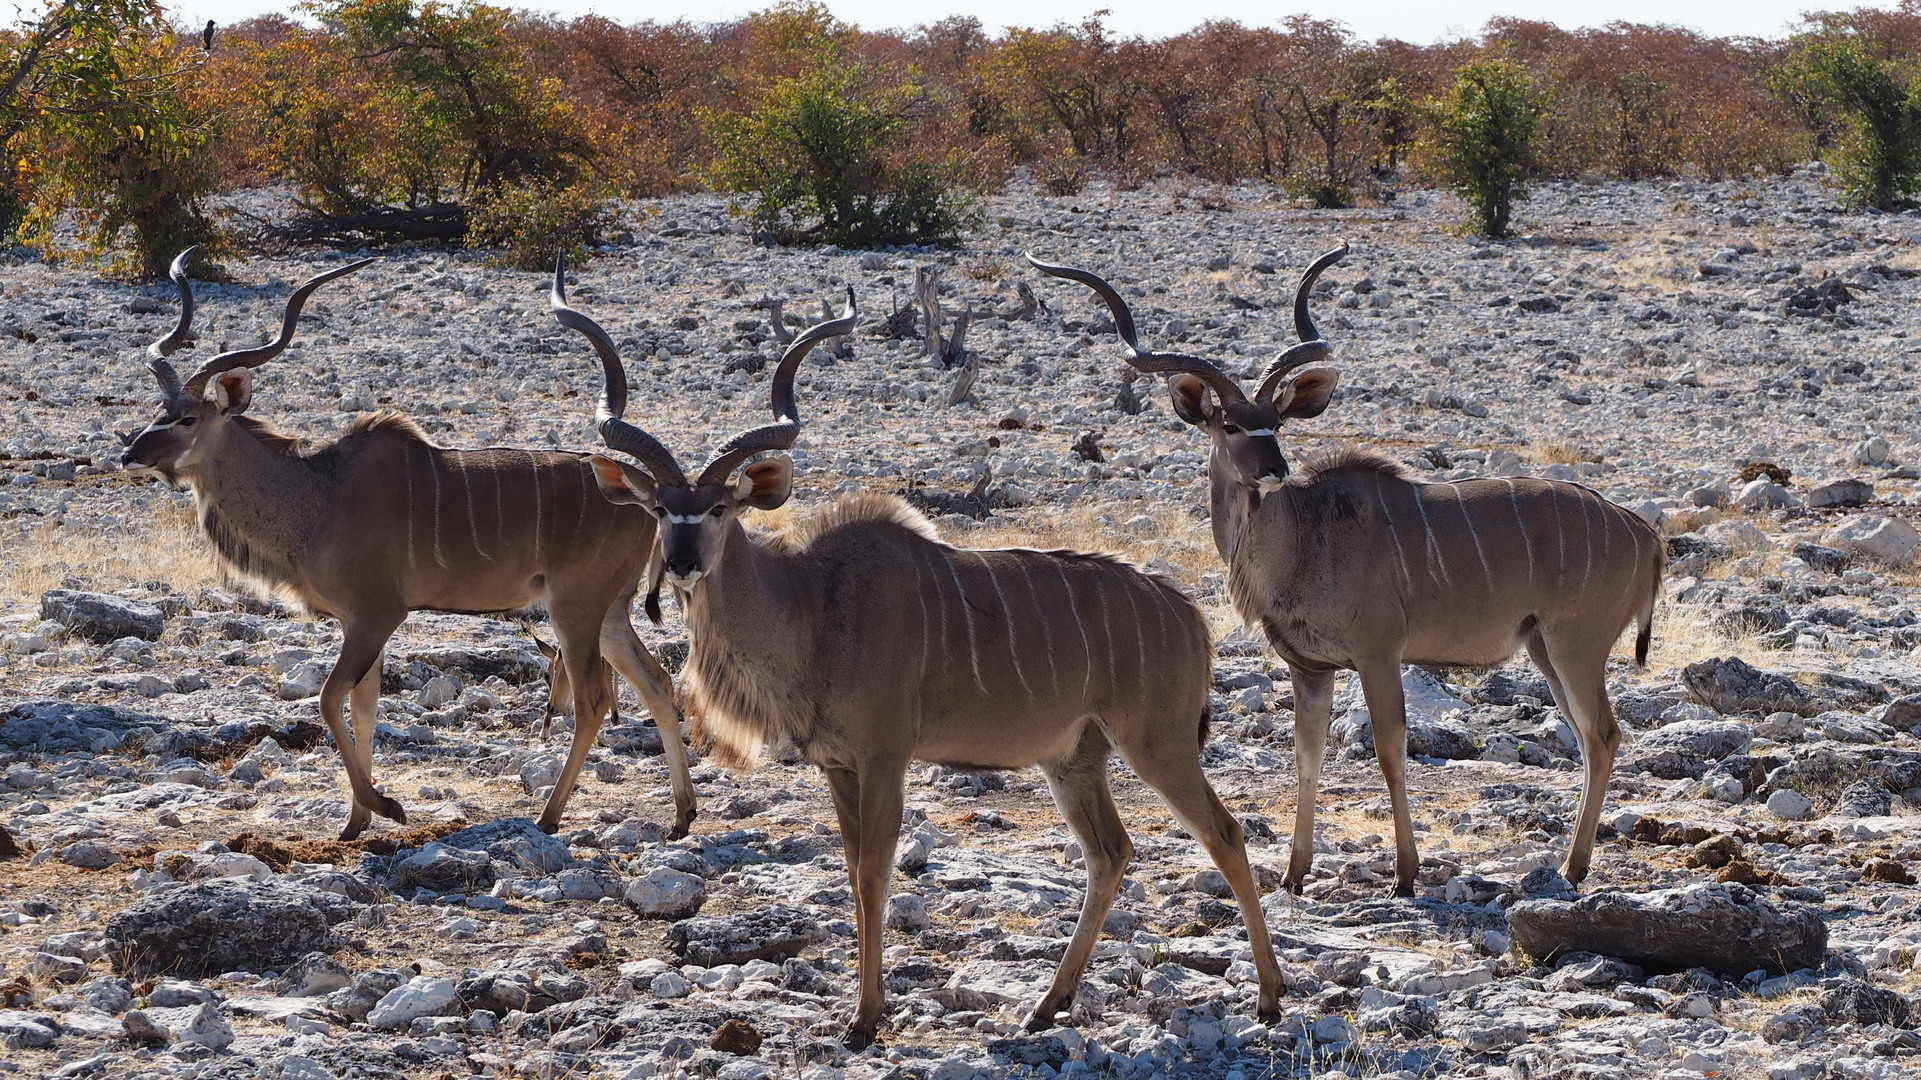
[1207, 718]
[1641, 642]
[652, 604]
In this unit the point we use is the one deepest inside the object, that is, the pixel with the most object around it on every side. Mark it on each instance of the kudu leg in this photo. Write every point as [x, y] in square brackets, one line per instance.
[363, 705]
[872, 798]
[592, 681]
[1387, 708]
[1184, 787]
[1581, 689]
[364, 638]
[1313, 712]
[656, 689]
[1081, 792]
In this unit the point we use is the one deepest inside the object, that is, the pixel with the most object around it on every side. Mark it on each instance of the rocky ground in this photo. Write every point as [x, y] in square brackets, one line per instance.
[1735, 361]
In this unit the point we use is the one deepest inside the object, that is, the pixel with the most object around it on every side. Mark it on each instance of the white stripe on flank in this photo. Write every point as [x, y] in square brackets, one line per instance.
[1007, 613]
[1080, 623]
[433, 470]
[535, 463]
[973, 646]
[1587, 535]
[1107, 628]
[1607, 531]
[1047, 627]
[499, 475]
[1140, 639]
[1436, 561]
[473, 522]
[1521, 524]
[1560, 534]
[1474, 535]
[940, 605]
[583, 478]
[1400, 552]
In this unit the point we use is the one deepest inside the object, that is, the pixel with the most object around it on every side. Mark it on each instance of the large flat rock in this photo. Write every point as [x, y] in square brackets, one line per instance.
[1728, 929]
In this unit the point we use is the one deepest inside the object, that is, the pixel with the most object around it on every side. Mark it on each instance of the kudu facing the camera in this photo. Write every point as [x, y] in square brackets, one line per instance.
[866, 643]
[381, 522]
[1348, 564]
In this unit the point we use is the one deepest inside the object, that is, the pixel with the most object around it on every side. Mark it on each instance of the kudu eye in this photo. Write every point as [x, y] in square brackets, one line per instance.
[1230, 429]
[188, 421]
[719, 509]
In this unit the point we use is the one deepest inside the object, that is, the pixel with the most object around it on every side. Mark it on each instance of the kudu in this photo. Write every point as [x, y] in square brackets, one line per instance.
[1350, 564]
[381, 522]
[860, 639]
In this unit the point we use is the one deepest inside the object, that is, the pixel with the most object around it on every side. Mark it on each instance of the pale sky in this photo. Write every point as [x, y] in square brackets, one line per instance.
[1418, 21]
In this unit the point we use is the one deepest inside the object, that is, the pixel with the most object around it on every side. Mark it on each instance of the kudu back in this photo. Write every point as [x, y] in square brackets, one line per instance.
[1349, 564]
[866, 643]
[381, 522]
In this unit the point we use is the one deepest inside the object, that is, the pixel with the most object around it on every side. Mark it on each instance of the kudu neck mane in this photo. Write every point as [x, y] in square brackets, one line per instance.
[1239, 520]
[257, 469]
[749, 627]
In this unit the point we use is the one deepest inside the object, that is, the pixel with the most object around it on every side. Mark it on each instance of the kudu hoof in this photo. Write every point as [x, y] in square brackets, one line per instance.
[856, 1038]
[1291, 886]
[1405, 892]
[682, 823]
[393, 811]
[1040, 1020]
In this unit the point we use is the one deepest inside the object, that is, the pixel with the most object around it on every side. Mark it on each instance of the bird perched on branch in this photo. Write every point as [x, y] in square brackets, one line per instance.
[206, 37]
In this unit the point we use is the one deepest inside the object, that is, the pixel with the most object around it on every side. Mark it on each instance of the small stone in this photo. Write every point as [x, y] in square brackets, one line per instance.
[907, 912]
[1885, 539]
[1787, 1027]
[1841, 493]
[419, 996]
[1790, 805]
[663, 893]
[737, 1037]
[89, 855]
[1858, 1002]
[439, 692]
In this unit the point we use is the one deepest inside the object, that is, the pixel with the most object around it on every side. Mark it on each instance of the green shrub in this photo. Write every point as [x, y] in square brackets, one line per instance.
[528, 222]
[820, 156]
[1486, 132]
[103, 120]
[1868, 91]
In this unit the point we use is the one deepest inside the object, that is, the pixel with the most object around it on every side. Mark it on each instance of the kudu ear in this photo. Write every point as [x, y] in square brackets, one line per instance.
[1307, 393]
[233, 391]
[621, 482]
[1190, 399]
[767, 483]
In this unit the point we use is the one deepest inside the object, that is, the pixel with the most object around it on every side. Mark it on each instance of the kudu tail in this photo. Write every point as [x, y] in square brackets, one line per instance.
[1642, 639]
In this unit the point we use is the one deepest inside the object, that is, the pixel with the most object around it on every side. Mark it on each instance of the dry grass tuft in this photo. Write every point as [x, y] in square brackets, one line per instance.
[167, 546]
[1687, 631]
[1561, 452]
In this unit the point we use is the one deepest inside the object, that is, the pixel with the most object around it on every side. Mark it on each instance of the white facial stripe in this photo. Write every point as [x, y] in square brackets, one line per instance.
[162, 426]
[1251, 432]
[685, 519]
[685, 581]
